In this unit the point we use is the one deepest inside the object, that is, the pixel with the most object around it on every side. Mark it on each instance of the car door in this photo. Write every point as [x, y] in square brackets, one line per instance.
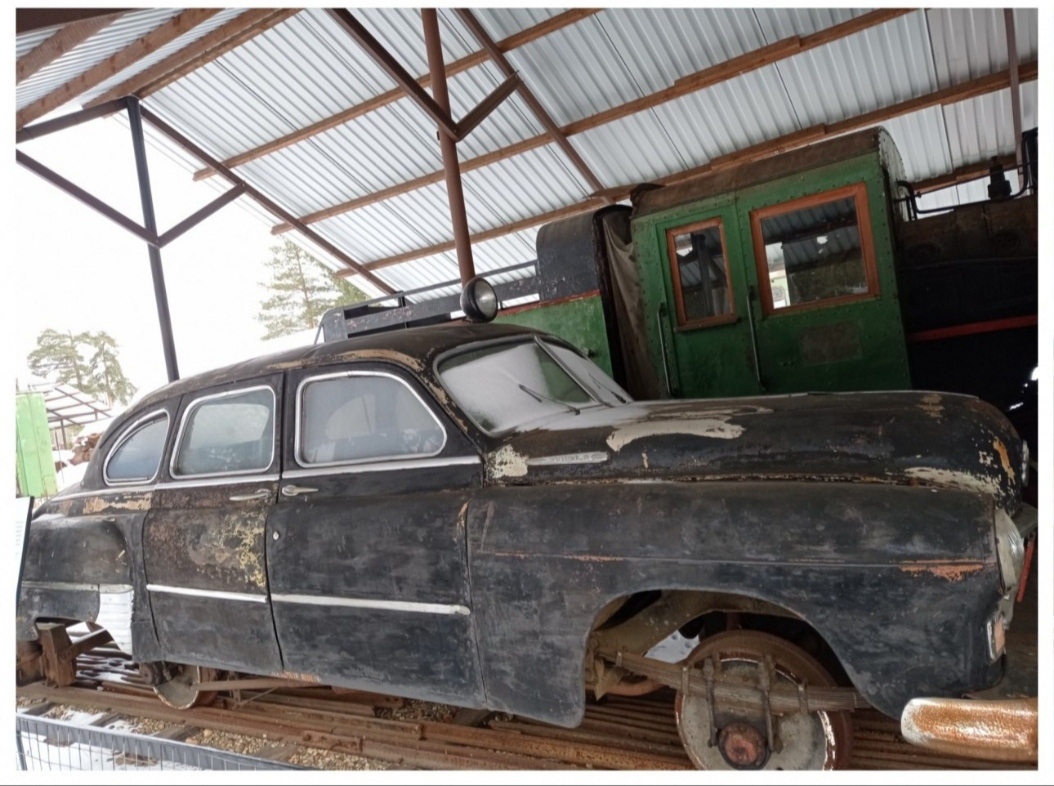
[366, 550]
[203, 540]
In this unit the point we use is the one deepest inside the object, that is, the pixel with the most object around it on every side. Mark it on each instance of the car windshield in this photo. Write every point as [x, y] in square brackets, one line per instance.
[505, 386]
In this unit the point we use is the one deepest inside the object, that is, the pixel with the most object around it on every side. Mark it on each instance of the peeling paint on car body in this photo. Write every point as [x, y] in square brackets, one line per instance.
[506, 463]
[713, 428]
[952, 571]
[931, 405]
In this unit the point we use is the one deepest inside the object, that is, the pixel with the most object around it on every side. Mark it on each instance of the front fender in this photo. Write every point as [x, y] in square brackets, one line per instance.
[899, 581]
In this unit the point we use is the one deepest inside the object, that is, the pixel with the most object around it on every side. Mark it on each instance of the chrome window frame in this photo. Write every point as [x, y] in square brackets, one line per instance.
[127, 435]
[402, 457]
[193, 405]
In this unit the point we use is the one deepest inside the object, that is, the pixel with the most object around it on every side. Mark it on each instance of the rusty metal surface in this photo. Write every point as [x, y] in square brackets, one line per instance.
[1001, 730]
[618, 733]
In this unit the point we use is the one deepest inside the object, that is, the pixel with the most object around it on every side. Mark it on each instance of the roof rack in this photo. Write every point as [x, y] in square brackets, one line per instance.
[396, 312]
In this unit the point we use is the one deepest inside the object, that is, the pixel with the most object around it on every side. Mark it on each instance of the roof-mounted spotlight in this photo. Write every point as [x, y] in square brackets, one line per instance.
[479, 301]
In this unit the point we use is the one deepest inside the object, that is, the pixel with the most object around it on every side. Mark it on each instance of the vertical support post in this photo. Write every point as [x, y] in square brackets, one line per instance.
[448, 147]
[168, 344]
[1015, 91]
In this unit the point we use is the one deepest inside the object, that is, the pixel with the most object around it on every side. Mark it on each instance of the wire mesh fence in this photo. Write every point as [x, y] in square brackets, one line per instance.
[48, 744]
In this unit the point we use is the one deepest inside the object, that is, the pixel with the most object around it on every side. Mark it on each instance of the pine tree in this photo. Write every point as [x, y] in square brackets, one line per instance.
[57, 357]
[86, 361]
[302, 290]
[107, 376]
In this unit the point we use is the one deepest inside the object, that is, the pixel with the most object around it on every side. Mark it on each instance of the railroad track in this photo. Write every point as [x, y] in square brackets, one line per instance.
[616, 733]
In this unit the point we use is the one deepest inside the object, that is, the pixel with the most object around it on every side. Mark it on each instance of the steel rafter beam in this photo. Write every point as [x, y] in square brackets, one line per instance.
[558, 22]
[448, 147]
[268, 204]
[244, 27]
[1015, 92]
[949, 95]
[490, 234]
[391, 66]
[143, 233]
[38, 130]
[114, 64]
[51, 49]
[540, 112]
[708, 77]
[84, 197]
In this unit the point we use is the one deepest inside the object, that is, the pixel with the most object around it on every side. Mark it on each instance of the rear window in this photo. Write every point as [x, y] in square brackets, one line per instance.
[137, 454]
[229, 433]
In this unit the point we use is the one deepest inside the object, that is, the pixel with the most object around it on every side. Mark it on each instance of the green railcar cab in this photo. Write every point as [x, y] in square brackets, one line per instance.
[775, 278]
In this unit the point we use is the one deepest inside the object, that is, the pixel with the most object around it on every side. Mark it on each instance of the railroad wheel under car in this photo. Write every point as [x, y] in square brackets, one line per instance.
[729, 738]
[181, 691]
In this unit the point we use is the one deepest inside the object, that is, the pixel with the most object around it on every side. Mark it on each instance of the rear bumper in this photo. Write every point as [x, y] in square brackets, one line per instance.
[998, 730]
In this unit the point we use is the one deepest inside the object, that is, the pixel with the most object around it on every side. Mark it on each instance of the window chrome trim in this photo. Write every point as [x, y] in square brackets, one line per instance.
[368, 603]
[214, 594]
[381, 466]
[103, 492]
[218, 481]
[400, 457]
[128, 434]
[73, 586]
[193, 405]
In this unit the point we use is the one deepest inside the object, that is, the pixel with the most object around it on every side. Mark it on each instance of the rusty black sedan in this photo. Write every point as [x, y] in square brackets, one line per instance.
[477, 514]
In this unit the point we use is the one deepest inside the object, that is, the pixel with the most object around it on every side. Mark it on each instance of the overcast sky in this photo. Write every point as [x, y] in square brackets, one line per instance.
[77, 271]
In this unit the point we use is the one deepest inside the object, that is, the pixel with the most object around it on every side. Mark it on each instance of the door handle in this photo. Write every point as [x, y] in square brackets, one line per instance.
[751, 294]
[660, 315]
[258, 494]
[292, 491]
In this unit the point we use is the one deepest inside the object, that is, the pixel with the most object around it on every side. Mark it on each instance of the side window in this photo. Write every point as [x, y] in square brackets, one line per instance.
[363, 416]
[227, 433]
[137, 455]
[815, 250]
[701, 284]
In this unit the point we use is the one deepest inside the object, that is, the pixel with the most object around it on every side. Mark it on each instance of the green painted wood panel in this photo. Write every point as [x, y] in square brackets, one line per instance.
[579, 321]
[34, 464]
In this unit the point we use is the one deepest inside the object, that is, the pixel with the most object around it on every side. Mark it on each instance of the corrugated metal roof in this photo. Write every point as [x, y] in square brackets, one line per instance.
[122, 32]
[779, 23]
[502, 22]
[161, 53]
[30, 41]
[307, 69]
[968, 43]
[983, 127]
[872, 69]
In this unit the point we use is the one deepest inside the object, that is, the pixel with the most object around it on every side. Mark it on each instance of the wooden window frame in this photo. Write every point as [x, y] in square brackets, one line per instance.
[683, 323]
[858, 192]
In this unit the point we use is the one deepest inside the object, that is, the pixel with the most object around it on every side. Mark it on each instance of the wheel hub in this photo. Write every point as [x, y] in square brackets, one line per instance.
[743, 746]
[723, 737]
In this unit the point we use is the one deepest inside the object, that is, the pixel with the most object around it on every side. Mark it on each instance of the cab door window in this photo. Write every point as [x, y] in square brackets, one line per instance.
[815, 251]
[363, 416]
[701, 283]
[229, 433]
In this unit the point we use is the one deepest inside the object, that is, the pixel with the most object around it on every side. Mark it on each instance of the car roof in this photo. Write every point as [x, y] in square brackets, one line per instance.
[414, 348]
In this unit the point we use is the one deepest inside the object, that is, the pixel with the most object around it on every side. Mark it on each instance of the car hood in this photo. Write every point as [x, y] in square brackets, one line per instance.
[913, 437]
